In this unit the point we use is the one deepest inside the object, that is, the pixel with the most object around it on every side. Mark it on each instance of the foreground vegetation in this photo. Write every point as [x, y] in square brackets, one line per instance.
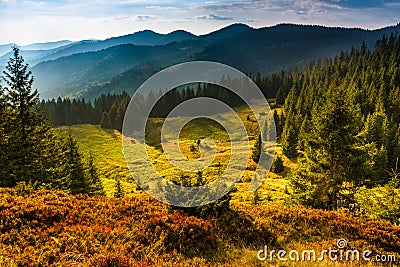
[43, 228]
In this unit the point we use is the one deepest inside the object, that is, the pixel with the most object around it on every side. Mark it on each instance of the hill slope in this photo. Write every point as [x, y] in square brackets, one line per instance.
[285, 46]
[76, 72]
[263, 50]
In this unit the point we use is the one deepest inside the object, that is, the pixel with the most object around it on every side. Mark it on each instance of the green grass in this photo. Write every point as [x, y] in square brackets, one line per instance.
[106, 148]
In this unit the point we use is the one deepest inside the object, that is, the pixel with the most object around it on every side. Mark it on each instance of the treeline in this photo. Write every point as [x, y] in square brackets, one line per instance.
[109, 110]
[31, 152]
[342, 121]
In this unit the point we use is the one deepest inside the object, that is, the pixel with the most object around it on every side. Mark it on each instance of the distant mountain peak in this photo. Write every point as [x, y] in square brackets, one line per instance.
[146, 31]
[229, 31]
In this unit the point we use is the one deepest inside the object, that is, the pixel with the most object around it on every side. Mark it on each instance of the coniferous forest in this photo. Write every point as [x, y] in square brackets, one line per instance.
[341, 119]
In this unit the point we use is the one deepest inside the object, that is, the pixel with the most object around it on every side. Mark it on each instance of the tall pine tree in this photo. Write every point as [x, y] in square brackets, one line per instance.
[74, 168]
[94, 181]
[333, 163]
[289, 139]
[26, 127]
[257, 150]
[3, 141]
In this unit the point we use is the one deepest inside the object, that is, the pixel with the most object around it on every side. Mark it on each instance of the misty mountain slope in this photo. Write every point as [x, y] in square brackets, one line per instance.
[265, 50]
[76, 72]
[46, 46]
[32, 56]
[143, 38]
[130, 80]
[37, 53]
[5, 48]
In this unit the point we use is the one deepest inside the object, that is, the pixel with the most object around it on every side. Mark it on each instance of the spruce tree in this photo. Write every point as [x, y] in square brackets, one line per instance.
[278, 124]
[256, 197]
[376, 127]
[333, 164]
[277, 166]
[3, 141]
[26, 126]
[106, 121]
[74, 168]
[376, 135]
[280, 97]
[119, 192]
[303, 133]
[289, 141]
[94, 181]
[200, 179]
[257, 149]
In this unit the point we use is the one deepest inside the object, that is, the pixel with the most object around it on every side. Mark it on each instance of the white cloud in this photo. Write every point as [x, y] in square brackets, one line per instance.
[212, 17]
[146, 17]
[36, 3]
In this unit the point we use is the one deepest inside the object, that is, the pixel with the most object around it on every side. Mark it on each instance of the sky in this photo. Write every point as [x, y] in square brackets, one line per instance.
[31, 21]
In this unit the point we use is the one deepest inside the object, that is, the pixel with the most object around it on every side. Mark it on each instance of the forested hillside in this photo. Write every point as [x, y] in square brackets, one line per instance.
[341, 119]
[266, 50]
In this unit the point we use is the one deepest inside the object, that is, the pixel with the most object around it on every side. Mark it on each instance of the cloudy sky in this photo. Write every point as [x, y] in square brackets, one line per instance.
[28, 21]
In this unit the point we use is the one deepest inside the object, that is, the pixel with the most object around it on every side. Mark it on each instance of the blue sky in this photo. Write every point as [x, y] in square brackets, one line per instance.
[28, 21]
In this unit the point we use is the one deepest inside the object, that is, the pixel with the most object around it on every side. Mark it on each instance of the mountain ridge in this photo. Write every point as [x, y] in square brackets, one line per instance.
[72, 70]
[146, 37]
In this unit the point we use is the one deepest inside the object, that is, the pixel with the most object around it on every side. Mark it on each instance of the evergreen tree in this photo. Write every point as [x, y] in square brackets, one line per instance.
[200, 179]
[303, 133]
[256, 197]
[94, 181]
[376, 127]
[106, 121]
[332, 163]
[74, 168]
[277, 166]
[119, 192]
[280, 97]
[257, 149]
[3, 141]
[56, 165]
[278, 124]
[289, 142]
[30, 151]
[26, 126]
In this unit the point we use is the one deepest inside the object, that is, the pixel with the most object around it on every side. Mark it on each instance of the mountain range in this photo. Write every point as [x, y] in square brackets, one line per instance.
[90, 68]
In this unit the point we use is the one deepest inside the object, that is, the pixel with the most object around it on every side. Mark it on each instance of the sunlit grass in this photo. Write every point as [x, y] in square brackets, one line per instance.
[106, 149]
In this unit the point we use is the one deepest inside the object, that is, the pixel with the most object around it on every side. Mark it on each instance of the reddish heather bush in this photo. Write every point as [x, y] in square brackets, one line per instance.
[47, 228]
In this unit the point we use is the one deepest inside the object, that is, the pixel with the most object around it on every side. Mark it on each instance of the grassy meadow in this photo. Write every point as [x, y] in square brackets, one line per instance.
[106, 148]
